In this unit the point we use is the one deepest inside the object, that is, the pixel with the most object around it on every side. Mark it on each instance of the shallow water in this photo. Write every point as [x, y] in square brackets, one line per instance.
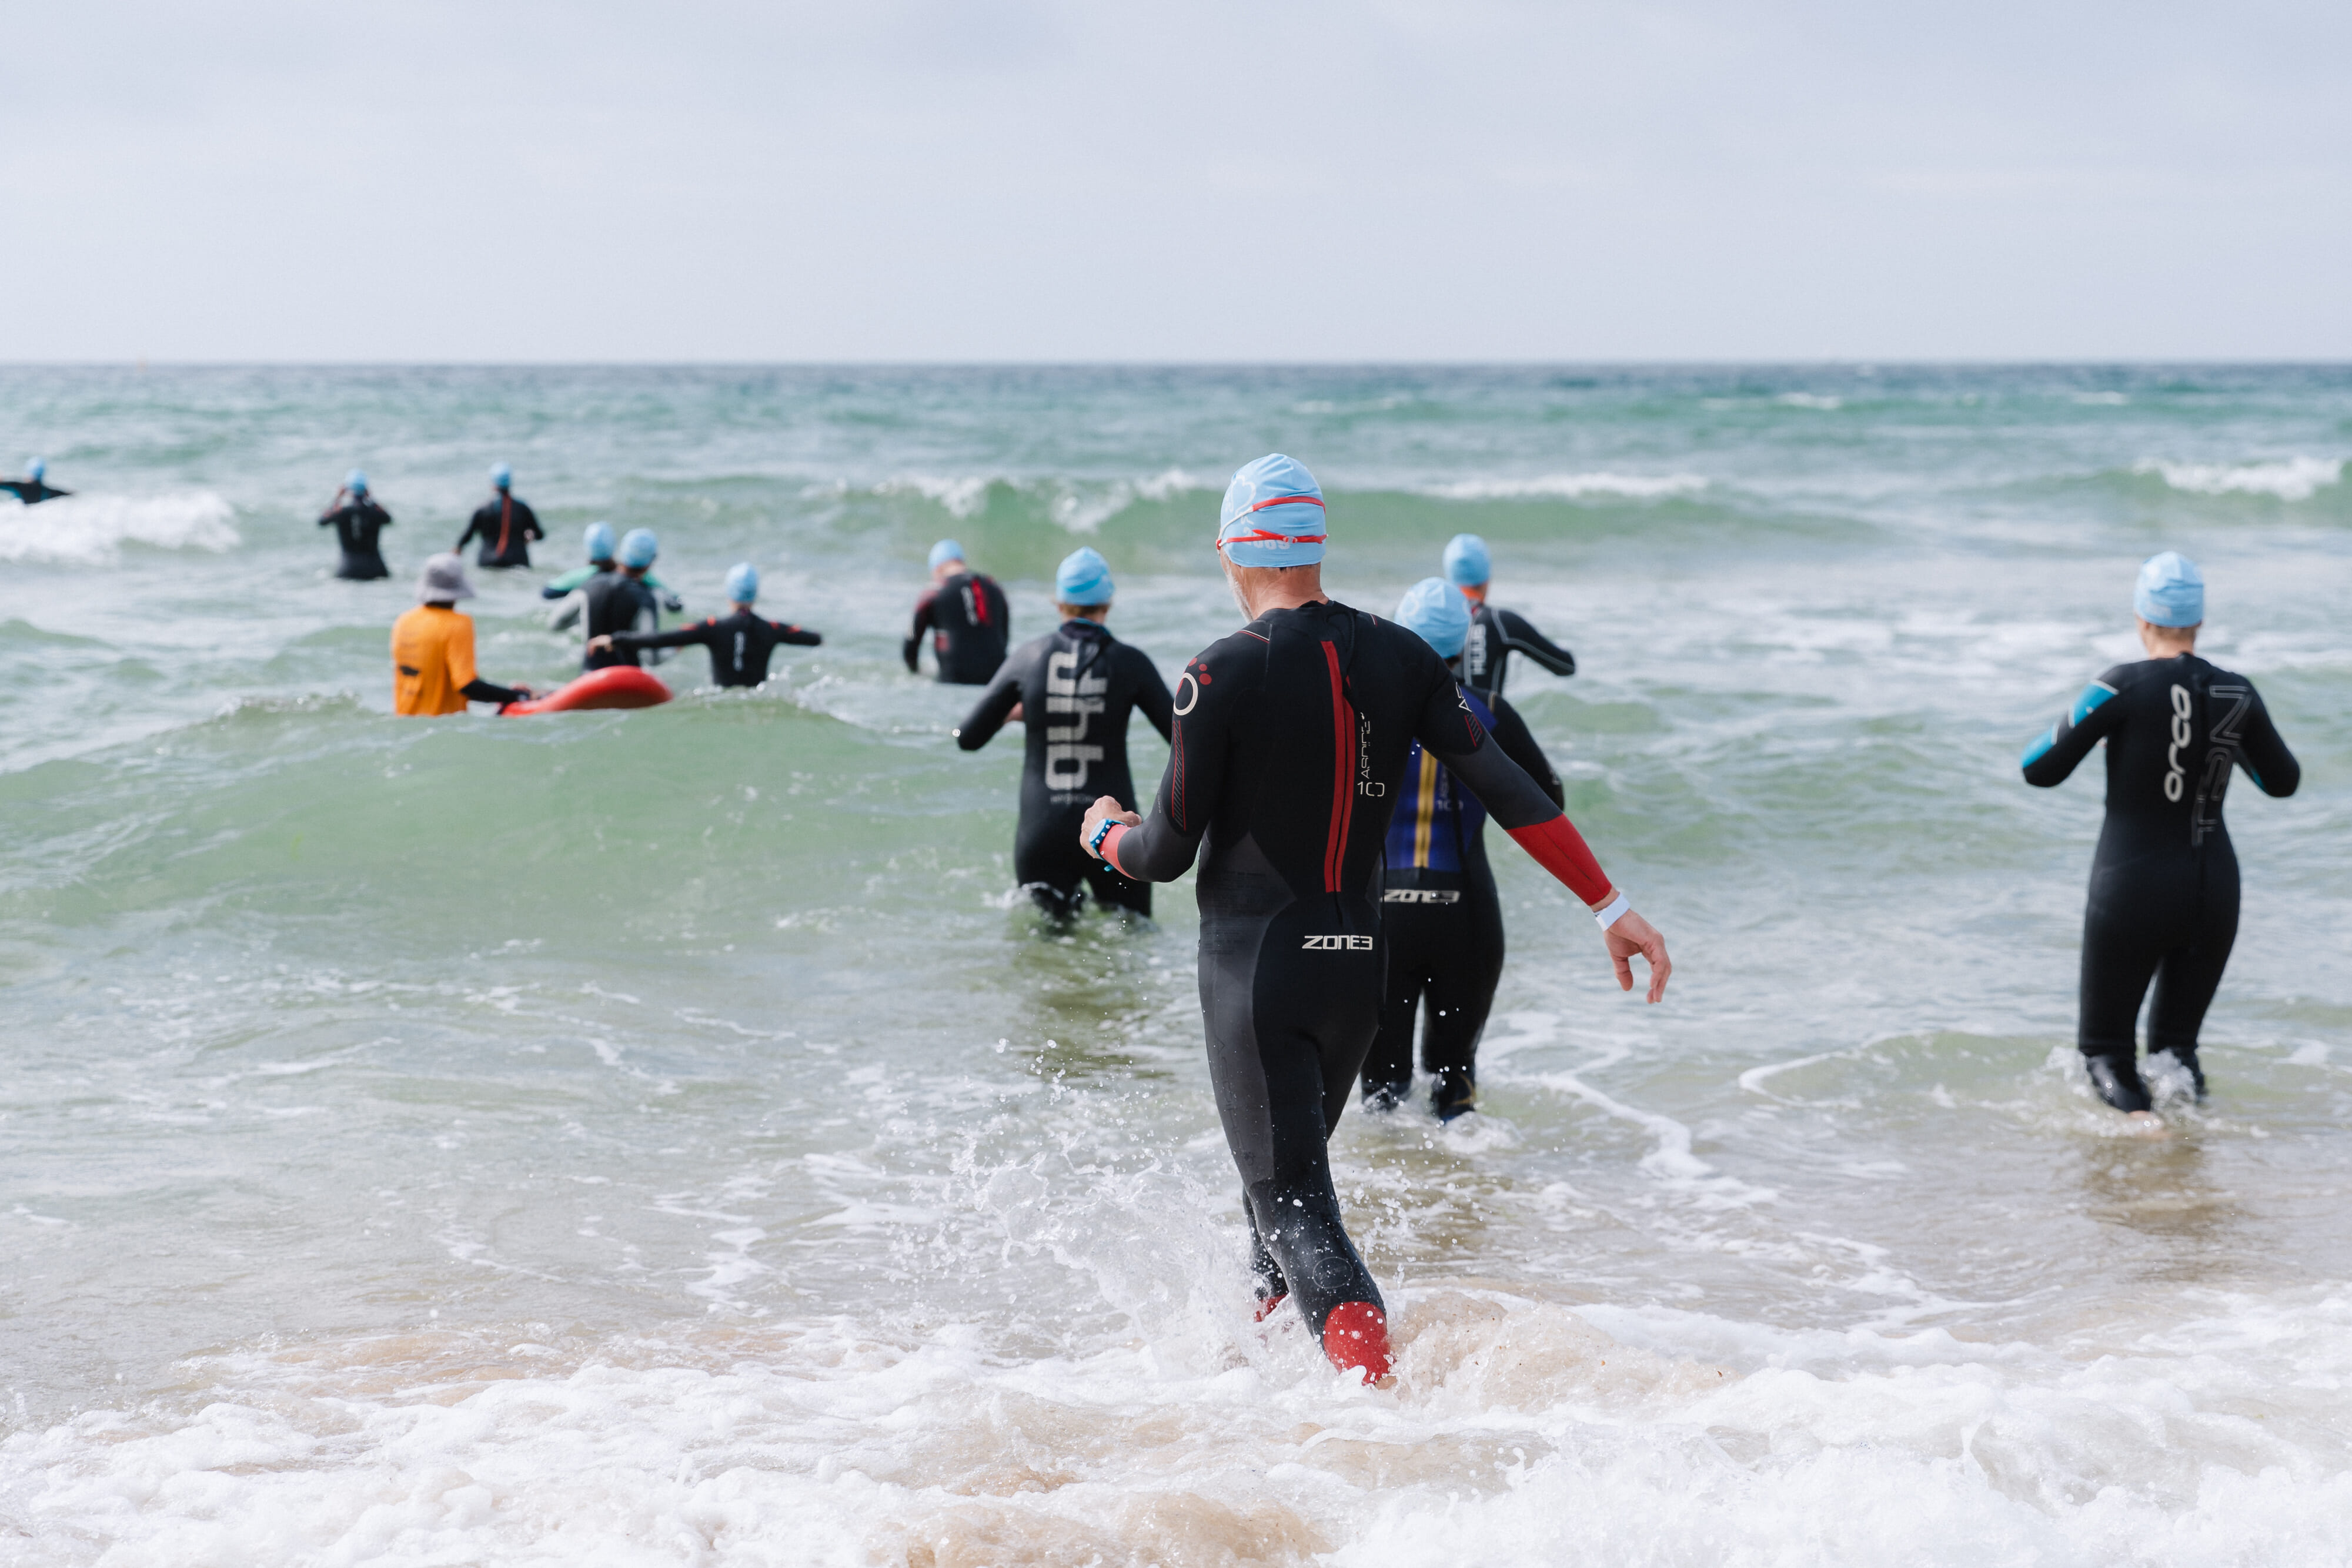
[658, 1137]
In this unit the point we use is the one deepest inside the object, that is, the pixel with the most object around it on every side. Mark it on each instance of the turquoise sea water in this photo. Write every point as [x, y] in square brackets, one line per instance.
[659, 1137]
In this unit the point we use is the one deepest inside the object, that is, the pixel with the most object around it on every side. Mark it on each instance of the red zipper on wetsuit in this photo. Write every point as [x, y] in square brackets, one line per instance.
[1343, 770]
[506, 524]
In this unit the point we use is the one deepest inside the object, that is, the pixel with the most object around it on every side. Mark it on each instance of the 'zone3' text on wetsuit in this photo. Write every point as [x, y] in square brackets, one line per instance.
[1290, 737]
[506, 527]
[617, 602]
[739, 643]
[1076, 687]
[357, 521]
[2163, 882]
[1443, 922]
[1494, 636]
[969, 625]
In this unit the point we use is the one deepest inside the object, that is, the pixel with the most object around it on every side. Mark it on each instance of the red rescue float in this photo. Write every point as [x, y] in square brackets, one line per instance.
[614, 685]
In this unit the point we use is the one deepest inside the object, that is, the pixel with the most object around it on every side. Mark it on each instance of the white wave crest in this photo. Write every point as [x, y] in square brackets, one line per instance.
[1810, 399]
[2288, 478]
[963, 497]
[1574, 486]
[1082, 507]
[91, 530]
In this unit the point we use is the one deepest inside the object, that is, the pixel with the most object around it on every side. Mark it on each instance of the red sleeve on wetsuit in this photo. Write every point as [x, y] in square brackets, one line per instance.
[1560, 850]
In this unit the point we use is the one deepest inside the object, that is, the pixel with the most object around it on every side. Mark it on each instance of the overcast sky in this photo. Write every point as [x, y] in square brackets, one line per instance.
[1284, 180]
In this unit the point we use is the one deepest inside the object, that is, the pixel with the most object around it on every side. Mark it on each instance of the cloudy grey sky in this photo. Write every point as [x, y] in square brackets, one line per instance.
[1284, 180]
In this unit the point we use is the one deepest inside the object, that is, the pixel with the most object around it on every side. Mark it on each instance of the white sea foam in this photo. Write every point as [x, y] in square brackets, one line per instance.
[2288, 478]
[1810, 399]
[91, 530]
[1574, 486]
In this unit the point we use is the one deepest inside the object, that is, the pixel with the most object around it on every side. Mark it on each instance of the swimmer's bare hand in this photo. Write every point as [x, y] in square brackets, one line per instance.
[1633, 935]
[1014, 717]
[600, 642]
[1104, 806]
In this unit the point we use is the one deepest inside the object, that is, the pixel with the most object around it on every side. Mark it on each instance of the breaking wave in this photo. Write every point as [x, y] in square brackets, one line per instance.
[2288, 478]
[91, 530]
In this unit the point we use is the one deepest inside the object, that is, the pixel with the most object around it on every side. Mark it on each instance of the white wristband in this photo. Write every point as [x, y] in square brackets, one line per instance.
[1609, 913]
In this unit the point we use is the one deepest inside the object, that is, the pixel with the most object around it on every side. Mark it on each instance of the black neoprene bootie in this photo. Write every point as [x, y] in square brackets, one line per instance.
[2187, 1059]
[1385, 1097]
[1455, 1094]
[2116, 1078]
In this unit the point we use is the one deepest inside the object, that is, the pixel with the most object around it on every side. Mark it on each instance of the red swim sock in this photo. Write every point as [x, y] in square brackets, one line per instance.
[1266, 1305]
[1356, 1338]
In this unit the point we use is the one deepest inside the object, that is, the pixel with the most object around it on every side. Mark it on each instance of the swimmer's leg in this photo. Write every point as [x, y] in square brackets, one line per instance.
[1051, 872]
[2123, 941]
[1461, 995]
[2191, 973]
[1387, 1064]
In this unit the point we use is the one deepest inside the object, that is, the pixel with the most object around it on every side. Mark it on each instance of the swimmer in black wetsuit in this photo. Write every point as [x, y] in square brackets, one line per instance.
[357, 521]
[32, 489]
[1290, 736]
[505, 524]
[1073, 689]
[1495, 634]
[620, 601]
[739, 643]
[2164, 880]
[965, 613]
[1440, 917]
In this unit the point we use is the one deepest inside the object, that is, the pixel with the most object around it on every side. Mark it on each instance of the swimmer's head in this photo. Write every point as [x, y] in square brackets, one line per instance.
[1083, 581]
[2170, 591]
[1272, 516]
[501, 477]
[599, 540]
[34, 468]
[946, 555]
[1435, 608]
[638, 548]
[743, 582]
[1466, 563]
[356, 482]
[442, 581]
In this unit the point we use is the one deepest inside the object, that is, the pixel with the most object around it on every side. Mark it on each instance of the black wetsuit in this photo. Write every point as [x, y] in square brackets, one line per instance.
[506, 527]
[1290, 736]
[617, 602]
[1494, 636]
[1443, 922]
[356, 524]
[32, 492]
[2164, 880]
[1076, 687]
[739, 643]
[969, 624]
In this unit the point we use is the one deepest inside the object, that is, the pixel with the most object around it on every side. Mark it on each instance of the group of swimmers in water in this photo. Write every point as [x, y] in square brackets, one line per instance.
[1333, 772]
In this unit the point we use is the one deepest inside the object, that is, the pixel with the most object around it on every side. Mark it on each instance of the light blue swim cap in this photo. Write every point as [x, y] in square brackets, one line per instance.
[34, 468]
[2170, 591]
[599, 540]
[743, 582]
[1466, 565]
[501, 476]
[1083, 579]
[1273, 515]
[638, 548]
[355, 482]
[1434, 607]
[945, 551]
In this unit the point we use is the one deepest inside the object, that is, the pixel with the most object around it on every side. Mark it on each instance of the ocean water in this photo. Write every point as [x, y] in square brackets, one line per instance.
[659, 1137]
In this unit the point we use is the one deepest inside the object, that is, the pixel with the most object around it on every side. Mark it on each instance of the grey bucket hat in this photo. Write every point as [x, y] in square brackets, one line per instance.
[442, 581]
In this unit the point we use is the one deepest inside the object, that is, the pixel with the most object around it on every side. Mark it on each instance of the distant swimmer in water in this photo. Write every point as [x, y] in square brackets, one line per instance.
[1290, 738]
[433, 648]
[600, 545]
[1440, 917]
[965, 613]
[33, 488]
[505, 525]
[739, 641]
[2164, 880]
[1495, 634]
[357, 521]
[620, 601]
[1072, 689]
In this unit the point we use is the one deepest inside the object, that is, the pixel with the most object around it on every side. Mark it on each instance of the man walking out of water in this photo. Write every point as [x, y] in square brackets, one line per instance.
[33, 488]
[1072, 689]
[1441, 919]
[2164, 880]
[1290, 737]
[1495, 634]
[620, 601]
[433, 648]
[506, 525]
[357, 521]
[965, 613]
[739, 641]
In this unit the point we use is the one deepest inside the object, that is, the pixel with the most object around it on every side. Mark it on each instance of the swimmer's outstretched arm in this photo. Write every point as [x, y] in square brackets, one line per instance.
[1000, 704]
[1521, 637]
[2091, 720]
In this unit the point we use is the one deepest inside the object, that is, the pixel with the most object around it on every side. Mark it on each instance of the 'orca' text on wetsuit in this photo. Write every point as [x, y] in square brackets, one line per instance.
[1494, 636]
[969, 624]
[1076, 687]
[1441, 920]
[2163, 882]
[739, 644]
[1290, 738]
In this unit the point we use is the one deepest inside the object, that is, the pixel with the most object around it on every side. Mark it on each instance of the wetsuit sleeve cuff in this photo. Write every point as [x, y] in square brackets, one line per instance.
[1560, 850]
[1110, 850]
